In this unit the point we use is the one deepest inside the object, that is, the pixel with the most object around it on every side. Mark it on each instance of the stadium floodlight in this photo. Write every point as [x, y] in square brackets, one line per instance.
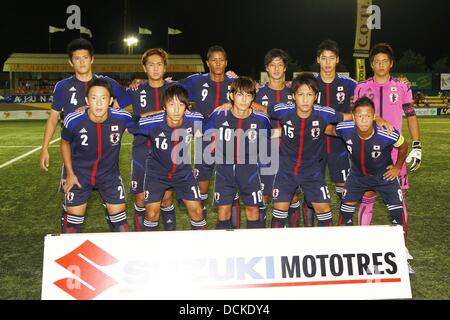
[131, 42]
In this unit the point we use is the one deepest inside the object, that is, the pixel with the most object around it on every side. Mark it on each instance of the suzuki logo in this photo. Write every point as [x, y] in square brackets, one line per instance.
[81, 262]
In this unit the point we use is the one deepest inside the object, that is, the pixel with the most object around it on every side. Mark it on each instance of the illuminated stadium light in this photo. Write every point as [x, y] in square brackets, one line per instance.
[131, 41]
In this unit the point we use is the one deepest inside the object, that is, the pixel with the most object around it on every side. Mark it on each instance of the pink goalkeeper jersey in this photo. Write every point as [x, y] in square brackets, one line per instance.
[389, 98]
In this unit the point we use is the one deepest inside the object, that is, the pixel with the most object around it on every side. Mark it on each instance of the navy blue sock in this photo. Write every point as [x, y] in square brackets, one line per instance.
[325, 219]
[294, 215]
[279, 218]
[151, 225]
[139, 214]
[119, 222]
[169, 218]
[198, 225]
[222, 225]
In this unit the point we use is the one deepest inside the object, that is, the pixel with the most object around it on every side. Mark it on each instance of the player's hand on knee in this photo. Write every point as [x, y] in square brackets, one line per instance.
[71, 181]
[392, 173]
[415, 156]
[45, 159]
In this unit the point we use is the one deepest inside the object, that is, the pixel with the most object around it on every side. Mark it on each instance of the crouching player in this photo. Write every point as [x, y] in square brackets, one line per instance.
[371, 168]
[90, 147]
[168, 164]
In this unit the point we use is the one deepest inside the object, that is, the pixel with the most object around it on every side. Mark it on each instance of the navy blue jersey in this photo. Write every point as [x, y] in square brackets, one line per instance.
[237, 141]
[269, 97]
[336, 95]
[163, 160]
[96, 146]
[302, 139]
[371, 156]
[144, 99]
[206, 93]
[69, 94]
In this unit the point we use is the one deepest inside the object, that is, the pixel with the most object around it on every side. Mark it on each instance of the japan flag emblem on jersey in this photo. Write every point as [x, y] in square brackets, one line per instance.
[114, 128]
[393, 97]
[114, 138]
[315, 133]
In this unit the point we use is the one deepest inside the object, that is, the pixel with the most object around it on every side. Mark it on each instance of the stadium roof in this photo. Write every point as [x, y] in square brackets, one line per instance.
[103, 63]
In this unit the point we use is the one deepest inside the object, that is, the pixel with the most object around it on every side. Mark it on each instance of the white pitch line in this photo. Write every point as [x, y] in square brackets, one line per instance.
[26, 154]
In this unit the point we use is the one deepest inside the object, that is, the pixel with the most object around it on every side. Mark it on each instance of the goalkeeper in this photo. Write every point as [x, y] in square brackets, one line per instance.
[392, 99]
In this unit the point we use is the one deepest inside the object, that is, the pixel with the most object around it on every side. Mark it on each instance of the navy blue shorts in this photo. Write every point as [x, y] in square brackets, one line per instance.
[110, 187]
[337, 160]
[183, 183]
[138, 157]
[311, 183]
[233, 178]
[356, 186]
[267, 184]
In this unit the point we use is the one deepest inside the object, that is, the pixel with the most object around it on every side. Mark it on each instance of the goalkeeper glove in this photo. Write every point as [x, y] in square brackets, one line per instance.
[415, 156]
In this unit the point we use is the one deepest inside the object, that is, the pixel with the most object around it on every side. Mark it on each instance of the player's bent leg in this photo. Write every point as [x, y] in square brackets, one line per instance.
[263, 210]
[204, 188]
[279, 214]
[253, 221]
[195, 211]
[346, 213]
[223, 217]
[236, 213]
[74, 219]
[168, 216]
[366, 208]
[151, 221]
[323, 213]
[308, 214]
[294, 212]
[118, 217]
[139, 211]
[108, 220]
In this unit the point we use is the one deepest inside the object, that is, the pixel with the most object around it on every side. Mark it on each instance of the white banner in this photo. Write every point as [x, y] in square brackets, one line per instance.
[445, 81]
[277, 264]
[363, 32]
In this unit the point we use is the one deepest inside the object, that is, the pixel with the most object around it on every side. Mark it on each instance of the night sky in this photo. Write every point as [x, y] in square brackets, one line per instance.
[247, 29]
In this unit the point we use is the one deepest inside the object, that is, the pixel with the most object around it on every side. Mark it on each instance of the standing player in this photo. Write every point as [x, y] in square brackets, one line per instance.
[70, 93]
[90, 147]
[208, 91]
[268, 95]
[370, 150]
[238, 135]
[392, 99]
[147, 98]
[168, 163]
[335, 91]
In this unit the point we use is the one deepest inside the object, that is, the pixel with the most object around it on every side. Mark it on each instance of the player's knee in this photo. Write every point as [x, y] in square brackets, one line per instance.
[321, 207]
[252, 213]
[139, 199]
[369, 194]
[152, 214]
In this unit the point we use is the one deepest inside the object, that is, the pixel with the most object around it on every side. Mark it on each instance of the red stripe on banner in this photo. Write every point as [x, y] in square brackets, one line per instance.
[99, 153]
[308, 283]
[300, 147]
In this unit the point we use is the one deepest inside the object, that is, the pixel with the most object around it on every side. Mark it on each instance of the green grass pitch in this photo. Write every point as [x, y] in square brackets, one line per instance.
[30, 209]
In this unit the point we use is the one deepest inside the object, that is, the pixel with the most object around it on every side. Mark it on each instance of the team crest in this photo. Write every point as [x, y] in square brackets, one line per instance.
[134, 185]
[114, 138]
[376, 154]
[188, 139]
[252, 135]
[315, 133]
[69, 196]
[340, 88]
[393, 97]
[340, 97]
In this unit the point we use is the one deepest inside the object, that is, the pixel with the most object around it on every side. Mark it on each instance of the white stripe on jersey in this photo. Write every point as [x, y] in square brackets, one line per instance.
[122, 112]
[283, 107]
[77, 114]
[345, 125]
[324, 109]
[150, 121]
[346, 77]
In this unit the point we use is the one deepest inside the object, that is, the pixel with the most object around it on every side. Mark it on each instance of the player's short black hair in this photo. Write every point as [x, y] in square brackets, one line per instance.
[79, 44]
[176, 91]
[155, 52]
[245, 84]
[99, 82]
[213, 49]
[363, 102]
[306, 78]
[329, 45]
[276, 53]
[381, 48]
